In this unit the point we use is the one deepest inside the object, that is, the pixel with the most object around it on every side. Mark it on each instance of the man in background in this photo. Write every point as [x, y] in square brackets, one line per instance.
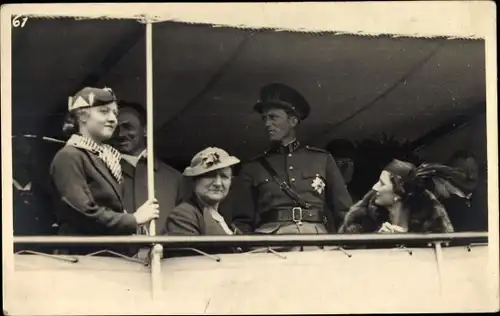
[470, 215]
[131, 142]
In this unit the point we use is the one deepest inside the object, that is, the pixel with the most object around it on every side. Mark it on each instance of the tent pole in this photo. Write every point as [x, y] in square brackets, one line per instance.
[157, 249]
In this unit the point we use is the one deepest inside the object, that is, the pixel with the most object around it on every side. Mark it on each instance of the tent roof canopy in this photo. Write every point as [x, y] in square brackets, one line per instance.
[207, 78]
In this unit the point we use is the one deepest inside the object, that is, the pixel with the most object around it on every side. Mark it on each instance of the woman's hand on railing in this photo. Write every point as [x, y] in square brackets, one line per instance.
[388, 228]
[148, 211]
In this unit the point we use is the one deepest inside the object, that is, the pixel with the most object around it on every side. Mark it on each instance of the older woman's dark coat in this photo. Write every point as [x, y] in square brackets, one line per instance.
[189, 219]
[87, 197]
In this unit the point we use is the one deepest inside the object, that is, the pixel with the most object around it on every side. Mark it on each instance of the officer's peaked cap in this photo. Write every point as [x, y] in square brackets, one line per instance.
[282, 96]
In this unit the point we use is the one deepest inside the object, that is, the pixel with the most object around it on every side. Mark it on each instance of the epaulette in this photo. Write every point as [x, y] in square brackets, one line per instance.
[316, 149]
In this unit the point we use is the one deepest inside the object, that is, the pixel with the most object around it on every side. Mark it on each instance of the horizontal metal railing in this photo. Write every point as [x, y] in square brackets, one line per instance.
[193, 242]
[257, 240]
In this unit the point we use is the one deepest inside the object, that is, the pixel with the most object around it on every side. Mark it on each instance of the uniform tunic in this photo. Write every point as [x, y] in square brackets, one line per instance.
[309, 171]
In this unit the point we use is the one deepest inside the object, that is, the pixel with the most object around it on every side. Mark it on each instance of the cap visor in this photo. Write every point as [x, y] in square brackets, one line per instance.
[261, 106]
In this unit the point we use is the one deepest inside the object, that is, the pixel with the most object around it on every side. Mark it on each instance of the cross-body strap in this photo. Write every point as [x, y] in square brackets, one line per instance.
[283, 184]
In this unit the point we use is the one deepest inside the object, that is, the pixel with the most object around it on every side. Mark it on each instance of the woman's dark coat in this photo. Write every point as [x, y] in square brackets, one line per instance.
[87, 197]
[189, 219]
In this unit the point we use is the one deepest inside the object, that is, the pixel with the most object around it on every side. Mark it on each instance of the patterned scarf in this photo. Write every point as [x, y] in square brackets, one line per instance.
[110, 156]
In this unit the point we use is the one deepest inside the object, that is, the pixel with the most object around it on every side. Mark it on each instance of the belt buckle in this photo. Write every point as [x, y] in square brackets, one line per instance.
[297, 219]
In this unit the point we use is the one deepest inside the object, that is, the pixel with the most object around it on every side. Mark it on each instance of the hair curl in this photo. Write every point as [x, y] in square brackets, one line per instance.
[402, 175]
[71, 122]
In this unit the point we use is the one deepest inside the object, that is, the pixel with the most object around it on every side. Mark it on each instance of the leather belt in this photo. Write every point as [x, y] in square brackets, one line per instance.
[296, 214]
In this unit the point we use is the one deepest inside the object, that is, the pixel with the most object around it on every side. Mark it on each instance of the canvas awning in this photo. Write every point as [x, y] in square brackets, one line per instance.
[207, 78]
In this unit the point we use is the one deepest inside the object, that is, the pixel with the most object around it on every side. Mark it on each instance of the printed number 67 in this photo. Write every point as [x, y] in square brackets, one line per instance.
[17, 23]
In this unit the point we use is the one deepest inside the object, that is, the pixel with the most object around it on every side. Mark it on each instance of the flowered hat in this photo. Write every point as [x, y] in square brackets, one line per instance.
[209, 159]
[88, 97]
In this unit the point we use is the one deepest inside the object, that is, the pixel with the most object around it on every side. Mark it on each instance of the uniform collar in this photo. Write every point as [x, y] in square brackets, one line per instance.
[285, 149]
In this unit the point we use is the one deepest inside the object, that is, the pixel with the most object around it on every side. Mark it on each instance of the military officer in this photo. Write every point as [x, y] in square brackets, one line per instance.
[291, 188]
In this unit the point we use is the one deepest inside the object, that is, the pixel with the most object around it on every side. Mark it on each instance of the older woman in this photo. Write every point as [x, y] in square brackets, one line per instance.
[405, 199]
[86, 173]
[211, 174]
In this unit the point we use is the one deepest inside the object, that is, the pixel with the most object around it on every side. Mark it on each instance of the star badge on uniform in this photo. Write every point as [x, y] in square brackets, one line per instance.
[318, 184]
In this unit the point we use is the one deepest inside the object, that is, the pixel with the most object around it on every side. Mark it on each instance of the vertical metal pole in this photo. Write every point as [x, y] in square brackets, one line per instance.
[439, 261]
[150, 129]
[157, 250]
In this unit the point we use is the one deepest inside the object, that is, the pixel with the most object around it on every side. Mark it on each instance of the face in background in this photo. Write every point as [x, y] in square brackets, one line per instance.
[99, 122]
[214, 186]
[385, 190]
[131, 136]
[279, 124]
[470, 166]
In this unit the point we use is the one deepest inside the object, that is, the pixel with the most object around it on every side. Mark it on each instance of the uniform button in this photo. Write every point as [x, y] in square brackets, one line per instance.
[291, 167]
[289, 155]
[293, 179]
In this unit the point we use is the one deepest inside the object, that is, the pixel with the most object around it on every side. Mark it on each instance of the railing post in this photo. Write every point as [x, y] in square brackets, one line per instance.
[157, 249]
[438, 250]
[156, 277]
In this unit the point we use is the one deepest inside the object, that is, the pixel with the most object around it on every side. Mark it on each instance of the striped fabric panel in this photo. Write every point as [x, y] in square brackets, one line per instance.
[109, 155]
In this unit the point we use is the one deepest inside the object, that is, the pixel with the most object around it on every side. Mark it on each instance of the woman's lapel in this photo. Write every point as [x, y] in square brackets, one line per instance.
[88, 147]
[106, 174]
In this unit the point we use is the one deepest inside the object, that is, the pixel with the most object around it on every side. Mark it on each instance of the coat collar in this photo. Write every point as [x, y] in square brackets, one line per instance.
[133, 160]
[129, 169]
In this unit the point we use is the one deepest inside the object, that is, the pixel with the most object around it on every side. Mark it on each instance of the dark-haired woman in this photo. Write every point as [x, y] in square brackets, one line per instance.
[405, 199]
[86, 173]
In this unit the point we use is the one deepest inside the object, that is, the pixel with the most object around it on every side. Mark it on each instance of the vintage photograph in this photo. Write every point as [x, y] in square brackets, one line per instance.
[266, 158]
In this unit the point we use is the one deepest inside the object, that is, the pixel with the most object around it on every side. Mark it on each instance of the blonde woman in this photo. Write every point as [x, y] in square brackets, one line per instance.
[86, 173]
